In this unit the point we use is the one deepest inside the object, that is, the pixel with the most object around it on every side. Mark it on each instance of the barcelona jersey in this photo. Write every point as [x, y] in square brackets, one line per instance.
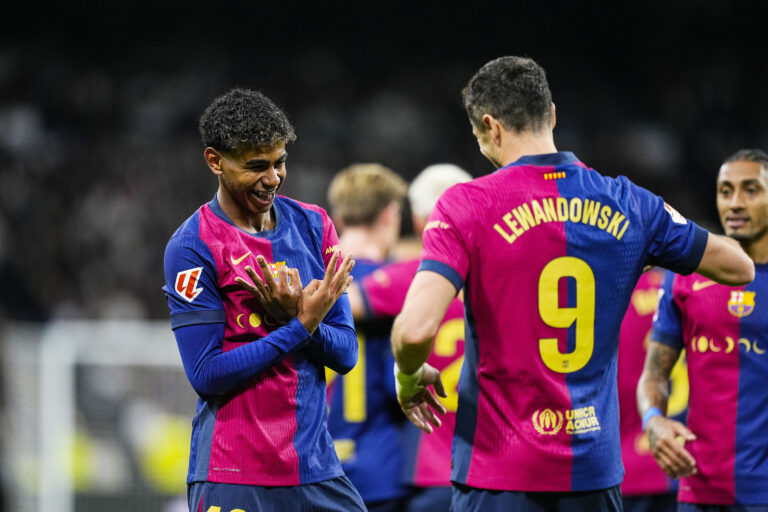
[724, 331]
[548, 252]
[267, 427]
[364, 417]
[643, 475]
[427, 456]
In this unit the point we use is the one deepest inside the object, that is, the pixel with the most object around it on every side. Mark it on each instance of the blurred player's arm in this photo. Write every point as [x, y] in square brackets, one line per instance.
[413, 334]
[725, 262]
[356, 301]
[666, 436]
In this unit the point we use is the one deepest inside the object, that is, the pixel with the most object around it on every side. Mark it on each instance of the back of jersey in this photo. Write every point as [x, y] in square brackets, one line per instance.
[549, 252]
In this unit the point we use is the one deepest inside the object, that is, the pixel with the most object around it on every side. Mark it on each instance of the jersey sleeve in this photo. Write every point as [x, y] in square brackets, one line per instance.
[330, 239]
[675, 242]
[334, 343]
[190, 283]
[445, 249]
[667, 324]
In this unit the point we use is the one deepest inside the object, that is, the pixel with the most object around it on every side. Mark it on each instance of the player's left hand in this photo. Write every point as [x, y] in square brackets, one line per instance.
[280, 298]
[421, 407]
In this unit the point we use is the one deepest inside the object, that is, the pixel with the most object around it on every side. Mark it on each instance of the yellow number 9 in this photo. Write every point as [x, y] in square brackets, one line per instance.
[555, 316]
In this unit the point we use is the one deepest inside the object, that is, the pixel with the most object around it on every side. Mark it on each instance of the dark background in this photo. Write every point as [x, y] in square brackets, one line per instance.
[100, 159]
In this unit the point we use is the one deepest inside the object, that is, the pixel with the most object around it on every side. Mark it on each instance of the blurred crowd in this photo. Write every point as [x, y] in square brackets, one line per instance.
[100, 159]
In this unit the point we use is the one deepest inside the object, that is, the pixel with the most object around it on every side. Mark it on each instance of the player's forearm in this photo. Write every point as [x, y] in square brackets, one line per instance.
[212, 371]
[653, 386]
[334, 342]
[411, 342]
[334, 346]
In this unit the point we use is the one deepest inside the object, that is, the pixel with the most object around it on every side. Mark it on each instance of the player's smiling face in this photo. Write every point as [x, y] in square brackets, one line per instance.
[742, 200]
[253, 176]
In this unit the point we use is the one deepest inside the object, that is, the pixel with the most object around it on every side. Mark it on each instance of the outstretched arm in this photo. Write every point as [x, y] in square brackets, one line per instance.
[666, 436]
[725, 262]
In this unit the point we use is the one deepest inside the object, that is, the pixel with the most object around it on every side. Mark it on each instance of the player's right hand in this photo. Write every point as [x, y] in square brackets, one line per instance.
[420, 408]
[318, 297]
[667, 438]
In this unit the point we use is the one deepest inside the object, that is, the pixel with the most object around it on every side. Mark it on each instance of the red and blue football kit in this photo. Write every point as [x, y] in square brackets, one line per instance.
[724, 331]
[548, 252]
[645, 485]
[364, 417]
[261, 417]
[428, 456]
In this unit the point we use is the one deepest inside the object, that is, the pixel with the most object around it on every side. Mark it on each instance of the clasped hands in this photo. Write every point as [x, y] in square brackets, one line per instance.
[285, 298]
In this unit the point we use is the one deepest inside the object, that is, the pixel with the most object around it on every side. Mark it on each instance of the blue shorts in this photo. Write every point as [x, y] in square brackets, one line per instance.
[697, 507]
[470, 499]
[429, 499]
[666, 502]
[335, 495]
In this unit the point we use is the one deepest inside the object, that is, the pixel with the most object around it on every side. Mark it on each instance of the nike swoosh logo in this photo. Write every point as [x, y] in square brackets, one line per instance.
[241, 258]
[700, 285]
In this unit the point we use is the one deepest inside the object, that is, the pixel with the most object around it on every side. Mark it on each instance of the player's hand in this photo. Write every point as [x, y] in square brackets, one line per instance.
[667, 438]
[421, 407]
[318, 297]
[280, 298]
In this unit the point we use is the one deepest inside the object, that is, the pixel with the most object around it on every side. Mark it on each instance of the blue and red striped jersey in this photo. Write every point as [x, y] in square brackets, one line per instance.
[643, 476]
[724, 331]
[364, 417]
[548, 252]
[261, 417]
[427, 456]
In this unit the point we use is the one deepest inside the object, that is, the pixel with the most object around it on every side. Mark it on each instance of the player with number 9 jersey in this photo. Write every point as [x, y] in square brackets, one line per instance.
[548, 252]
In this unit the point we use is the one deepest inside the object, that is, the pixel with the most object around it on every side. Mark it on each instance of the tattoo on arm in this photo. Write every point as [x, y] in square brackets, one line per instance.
[653, 387]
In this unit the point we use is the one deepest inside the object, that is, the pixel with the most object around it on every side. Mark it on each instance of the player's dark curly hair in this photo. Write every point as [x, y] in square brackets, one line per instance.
[244, 118]
[750, 155]
[514, 90]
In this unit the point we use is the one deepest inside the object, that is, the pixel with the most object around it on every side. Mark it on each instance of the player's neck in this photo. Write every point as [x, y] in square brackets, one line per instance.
[363, 242]
[518, 145]
[757, 249]
[252, 222]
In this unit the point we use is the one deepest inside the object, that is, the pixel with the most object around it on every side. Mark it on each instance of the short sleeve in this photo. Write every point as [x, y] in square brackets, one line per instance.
[667, 324]
[190, 283]
[675, 242]
[445, 249]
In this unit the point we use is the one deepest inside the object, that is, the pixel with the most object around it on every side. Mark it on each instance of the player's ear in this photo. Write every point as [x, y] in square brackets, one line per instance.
[552, 127]
[213, 158]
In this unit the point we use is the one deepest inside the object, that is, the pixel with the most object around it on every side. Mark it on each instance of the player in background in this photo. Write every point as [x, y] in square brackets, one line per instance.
[721, 456]
[547, 252]
[379, 297]
[260, 440]
[364, 418]
[646, 488]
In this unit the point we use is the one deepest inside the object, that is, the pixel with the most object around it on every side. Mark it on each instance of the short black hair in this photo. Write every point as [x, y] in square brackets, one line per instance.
[244, 118]
[750, 155]
[512, 89]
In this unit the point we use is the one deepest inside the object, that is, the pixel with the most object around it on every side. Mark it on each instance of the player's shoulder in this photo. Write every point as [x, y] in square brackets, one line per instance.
[293, 205]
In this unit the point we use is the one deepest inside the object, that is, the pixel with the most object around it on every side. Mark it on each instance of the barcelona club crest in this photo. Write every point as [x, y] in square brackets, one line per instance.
[547, 422]
[741, 303]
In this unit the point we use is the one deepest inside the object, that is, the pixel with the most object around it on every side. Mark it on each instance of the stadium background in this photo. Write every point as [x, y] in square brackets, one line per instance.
[100, 161]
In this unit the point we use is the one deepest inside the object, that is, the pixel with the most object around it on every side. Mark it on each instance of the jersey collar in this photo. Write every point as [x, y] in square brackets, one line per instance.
[545, 160]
